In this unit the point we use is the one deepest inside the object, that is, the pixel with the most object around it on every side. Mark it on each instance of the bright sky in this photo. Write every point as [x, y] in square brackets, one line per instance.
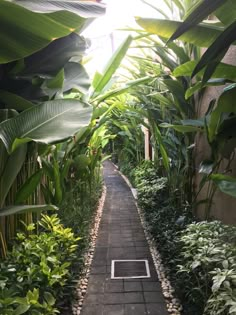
[119, 13]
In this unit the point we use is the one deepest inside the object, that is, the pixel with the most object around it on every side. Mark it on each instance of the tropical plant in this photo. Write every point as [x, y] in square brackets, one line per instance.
[37, 269]
[36, 72]
[208, 262]
[218, 129]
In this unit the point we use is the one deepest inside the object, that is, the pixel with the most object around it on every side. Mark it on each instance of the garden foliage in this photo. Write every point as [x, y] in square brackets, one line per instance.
[37, 269]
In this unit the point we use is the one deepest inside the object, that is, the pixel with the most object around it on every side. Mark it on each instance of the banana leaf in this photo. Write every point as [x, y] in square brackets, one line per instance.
[202, 35]
[82, 8]
[227, 12]
[23, 32]
[25, 208]
[52, 58]
[28, 188]
[100, 81]
[49, 122]
[204, 9]
[213, 55]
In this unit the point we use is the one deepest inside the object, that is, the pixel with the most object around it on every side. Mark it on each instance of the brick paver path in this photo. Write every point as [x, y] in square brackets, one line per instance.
[121, 236]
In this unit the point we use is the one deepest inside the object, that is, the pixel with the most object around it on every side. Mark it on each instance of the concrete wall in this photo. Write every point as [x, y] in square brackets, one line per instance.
[224, 206]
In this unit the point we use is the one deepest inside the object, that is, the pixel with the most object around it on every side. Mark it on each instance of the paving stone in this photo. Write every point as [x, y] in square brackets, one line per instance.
[151, 286]
[121, 236]
[135, 309]
[156, 309]
[98, 270]
[92, 298]
[95, 288]
[113, 309]
[133, 297]
[114, 287]
[92, 310]
[97, 279]
[114, 298]
[153, 297]
[133, 286]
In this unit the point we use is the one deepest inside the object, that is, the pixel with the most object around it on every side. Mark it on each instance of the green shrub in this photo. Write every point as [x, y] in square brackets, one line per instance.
[209, 267]
[37, 269]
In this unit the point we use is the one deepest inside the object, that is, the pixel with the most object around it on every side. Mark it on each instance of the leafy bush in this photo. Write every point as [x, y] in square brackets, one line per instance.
[37, 269]
[209, 267]
[165, 215]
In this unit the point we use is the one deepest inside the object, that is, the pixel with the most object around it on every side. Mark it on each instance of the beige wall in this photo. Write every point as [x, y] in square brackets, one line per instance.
[224, 206]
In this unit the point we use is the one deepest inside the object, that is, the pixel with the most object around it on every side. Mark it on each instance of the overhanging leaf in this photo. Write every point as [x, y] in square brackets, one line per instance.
[223, 70]
[225, 105]
[82, 8]
[226, 13]
[25, 208]
[52, 58]
[34, 30]
[226, 184]
[11, 100]
[202, 35]
[180, 128]
[204, 9]
[101, 81]
[123, 89]
[50, 122]
[216, 51]
[76, 77]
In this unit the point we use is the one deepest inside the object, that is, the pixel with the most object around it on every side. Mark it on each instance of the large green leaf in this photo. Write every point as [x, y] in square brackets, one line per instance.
[167, 60]
[223, 70]
[76, 77]
[100, 81]
[11, 100]
[25, 208]
[123, 89]
[11, 168]
[178, 92]
[216, 52]
[225, 105]
[55, 85]
[181, 128]
[34, 30]
[52, 58]
[83, 8]
[199, 85]
[50, 122]
[163, 151]
[204, 9]
[202, 35]
[226, 184]
[27, 189]
[226, 13]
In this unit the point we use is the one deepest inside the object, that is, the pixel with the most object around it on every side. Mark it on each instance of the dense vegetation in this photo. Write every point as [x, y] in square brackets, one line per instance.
[199, 256]
[56, 124]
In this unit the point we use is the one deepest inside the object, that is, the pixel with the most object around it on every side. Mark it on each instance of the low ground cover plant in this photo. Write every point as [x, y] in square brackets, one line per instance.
[199, 257]
[37, 268]
[208, 265]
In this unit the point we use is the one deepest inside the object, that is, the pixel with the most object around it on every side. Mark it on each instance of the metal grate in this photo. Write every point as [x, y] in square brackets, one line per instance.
[130, 269]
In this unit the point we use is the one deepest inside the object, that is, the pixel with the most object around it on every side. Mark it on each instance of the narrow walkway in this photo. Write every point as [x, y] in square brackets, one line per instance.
[121, 237]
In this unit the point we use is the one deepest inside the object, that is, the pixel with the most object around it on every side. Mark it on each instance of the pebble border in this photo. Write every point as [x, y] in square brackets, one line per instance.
[88, 257]
[173, 304]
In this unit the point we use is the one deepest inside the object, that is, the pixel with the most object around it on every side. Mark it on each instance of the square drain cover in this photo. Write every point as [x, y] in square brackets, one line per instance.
[130, 269]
